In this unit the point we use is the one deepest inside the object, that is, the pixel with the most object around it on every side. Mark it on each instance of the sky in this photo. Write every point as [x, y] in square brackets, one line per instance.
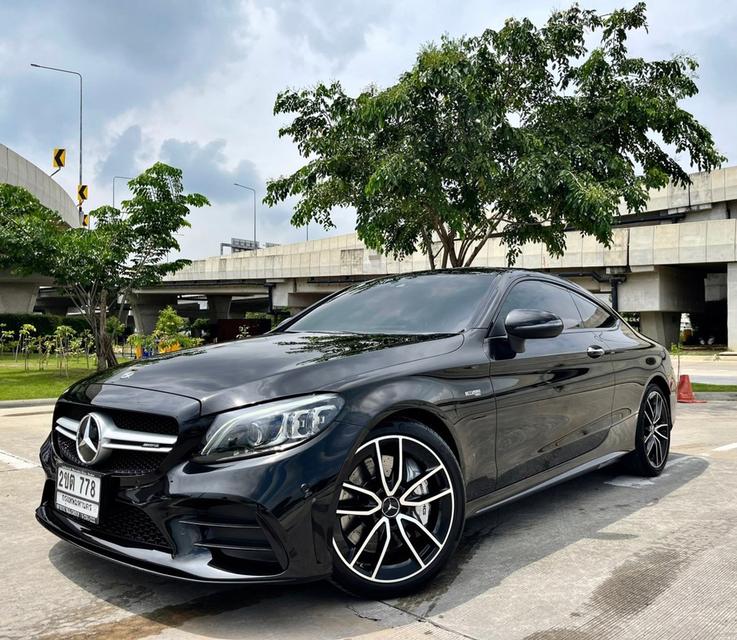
[193, 84]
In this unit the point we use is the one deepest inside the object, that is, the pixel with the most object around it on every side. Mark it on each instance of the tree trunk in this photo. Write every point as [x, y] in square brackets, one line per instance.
[450, 259]
[103, 344]
[450, 255]
[100, 342]
[427, 238]
[104, 351]
[112, 359]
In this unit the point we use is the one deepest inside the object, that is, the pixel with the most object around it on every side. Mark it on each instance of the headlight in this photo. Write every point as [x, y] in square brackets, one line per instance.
[270, 427]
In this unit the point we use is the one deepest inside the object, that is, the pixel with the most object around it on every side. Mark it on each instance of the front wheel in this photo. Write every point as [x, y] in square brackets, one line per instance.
[399, 513]
[653, 434]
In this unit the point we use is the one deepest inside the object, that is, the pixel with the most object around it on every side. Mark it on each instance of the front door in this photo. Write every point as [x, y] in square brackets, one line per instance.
[554, 400]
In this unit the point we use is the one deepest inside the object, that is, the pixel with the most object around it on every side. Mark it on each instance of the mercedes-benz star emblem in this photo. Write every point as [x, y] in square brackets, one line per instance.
[390, 507]
[89, 439]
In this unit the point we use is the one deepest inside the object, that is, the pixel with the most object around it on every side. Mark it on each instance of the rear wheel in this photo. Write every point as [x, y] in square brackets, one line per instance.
[653, 434]
[400, 512]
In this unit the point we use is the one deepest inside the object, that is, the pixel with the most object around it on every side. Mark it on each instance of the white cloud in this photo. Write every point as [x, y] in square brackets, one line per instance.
[195, 82]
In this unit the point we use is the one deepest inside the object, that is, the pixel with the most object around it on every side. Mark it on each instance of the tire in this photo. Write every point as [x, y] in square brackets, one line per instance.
[388, 538]
[652, 439]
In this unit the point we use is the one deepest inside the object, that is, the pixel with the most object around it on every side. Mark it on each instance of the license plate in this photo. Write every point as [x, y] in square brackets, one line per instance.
[78, 493]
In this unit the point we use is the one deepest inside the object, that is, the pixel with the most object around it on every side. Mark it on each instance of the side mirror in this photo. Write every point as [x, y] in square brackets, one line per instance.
[530, 324]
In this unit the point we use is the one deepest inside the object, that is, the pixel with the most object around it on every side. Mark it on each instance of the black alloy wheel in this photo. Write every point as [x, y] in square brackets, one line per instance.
[653, 434]
[400, 511]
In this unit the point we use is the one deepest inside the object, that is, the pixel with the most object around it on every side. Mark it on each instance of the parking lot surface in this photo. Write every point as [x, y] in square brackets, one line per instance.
[603, 556]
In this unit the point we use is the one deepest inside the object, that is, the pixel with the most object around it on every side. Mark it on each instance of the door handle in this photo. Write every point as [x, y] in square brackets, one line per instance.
[595, 351]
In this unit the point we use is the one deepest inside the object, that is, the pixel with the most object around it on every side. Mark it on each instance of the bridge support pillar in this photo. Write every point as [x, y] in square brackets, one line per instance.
[297, 294]
[299, 301]
[662, 326]
[218, 307]
[146, 308]
[732, 306]
[18, 297]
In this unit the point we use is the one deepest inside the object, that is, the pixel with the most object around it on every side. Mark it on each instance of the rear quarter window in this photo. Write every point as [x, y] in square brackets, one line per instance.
[593, 316]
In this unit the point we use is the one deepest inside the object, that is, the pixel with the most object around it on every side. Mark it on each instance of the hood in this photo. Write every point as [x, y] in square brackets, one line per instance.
[243, 372]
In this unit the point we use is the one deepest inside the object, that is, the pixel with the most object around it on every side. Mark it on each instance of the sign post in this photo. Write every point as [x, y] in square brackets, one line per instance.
[58, 160]
[82, 195]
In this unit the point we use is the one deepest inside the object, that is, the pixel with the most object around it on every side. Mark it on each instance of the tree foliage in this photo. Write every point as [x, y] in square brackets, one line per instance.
[524, 132]
[99, 268]
[169, 323]
[27, 231]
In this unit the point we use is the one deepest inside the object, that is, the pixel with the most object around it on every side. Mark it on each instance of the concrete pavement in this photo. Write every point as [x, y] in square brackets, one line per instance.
[604, 556]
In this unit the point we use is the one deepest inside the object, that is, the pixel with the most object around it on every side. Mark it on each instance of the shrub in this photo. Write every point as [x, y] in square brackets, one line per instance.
[167, 336]
[275, 318]
[45, 323]
[169, 323]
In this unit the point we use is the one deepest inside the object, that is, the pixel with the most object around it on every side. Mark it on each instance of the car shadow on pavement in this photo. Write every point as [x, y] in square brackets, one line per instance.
[494, 546]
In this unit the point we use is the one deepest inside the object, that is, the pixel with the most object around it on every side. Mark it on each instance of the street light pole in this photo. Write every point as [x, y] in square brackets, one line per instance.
[118, 178]
[242, 186]
[79, 75]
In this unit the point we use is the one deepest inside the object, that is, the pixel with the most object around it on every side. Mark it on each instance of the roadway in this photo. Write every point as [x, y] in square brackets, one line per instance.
[705, 369]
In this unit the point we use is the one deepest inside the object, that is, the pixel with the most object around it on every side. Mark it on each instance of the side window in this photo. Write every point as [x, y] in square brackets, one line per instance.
[593, 315]
[534, 294]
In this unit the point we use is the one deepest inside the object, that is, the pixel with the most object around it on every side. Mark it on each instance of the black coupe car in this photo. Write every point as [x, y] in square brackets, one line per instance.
[354, 440]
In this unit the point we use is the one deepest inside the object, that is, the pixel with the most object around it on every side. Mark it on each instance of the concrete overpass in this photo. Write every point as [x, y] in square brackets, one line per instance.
[18, 295]
[213, 300]
[679, 256]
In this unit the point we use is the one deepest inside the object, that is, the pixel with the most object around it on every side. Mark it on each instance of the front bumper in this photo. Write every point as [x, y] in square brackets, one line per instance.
[265, 519]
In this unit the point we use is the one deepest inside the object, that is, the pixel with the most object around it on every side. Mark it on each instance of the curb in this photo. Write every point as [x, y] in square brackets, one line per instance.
[35, 402]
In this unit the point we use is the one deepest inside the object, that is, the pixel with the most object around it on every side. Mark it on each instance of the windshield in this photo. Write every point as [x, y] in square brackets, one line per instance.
[407, 304]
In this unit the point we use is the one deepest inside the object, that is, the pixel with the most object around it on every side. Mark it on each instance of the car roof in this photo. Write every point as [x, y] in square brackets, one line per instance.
[508, 271]
[512, 274]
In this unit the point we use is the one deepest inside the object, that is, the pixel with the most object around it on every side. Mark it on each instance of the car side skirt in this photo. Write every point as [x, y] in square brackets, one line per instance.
[618, 443]
[537, 483]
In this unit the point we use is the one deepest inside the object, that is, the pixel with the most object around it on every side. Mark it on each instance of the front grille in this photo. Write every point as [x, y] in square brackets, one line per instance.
[120, 461]
[127, 463]
[131, 420]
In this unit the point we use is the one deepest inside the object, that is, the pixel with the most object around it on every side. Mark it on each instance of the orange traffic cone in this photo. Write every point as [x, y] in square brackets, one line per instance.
[685, 392]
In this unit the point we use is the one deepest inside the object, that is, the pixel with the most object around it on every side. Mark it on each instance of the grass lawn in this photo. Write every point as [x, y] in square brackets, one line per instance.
[18, 384]
[700, 386]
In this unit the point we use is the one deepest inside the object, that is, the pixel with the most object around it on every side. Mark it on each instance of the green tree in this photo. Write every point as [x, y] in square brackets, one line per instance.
[5, 336]
[25, 343]
[169, 323]
[171, 329]
[63, 337]
[28, 231]
[86, 345]
[115, 328]
[99, 268]
[524, 132]
[45, 345]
